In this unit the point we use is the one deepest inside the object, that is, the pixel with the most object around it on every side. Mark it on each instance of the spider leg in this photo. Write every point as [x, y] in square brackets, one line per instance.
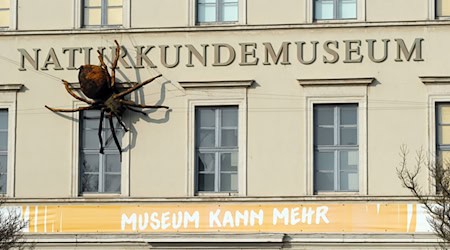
[113, 132]
[100, 128]
[136, 110]
[114, 65]
[70, 110]
[66, 85]
[133, 104]
[137, 86]
[121, 122]
[100, 58]
[102, 63]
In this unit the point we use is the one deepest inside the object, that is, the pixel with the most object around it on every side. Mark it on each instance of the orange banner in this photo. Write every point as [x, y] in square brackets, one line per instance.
[222, 217]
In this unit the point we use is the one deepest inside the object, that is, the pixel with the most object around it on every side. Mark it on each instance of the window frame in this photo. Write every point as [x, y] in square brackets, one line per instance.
[12, 16]
[337, 147]
[433, 15]
[360, 13]
[76, 171]
[242, 16]
[217, 93]
[79, 17]
[217, 150]
[329, 91]
[102, 157]
[8, 97]
[433, 101]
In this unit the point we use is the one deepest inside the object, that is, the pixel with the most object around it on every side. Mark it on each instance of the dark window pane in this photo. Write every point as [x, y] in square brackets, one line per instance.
[324, 181]
[206, 117]
[324, 161]
[112, 183]
[113, 163]
[349, 160]
[3, 119]
[108, 139]
[90, 163]
[206, 138]
[229, 161]
[3, 164]
[206, 182]
[324, 136]
[4, 141]
[349, 181]
[206, 162]
[229, 137]
[349, 115]
[228, 182]
[349, 136]
[323, 115]
[3, 183]
[90, 139]
[230, 117]
[89, 183]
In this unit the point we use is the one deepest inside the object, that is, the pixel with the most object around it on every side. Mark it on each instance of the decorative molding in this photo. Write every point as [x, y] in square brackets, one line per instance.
[210, 84]
[435, 79]
[336, 81]
[11, 87]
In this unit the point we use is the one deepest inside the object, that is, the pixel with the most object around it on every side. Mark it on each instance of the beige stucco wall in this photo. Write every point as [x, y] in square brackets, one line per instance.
[397, 10]
[154, 13]
[276, 12]
[276, 120]
[47, 15]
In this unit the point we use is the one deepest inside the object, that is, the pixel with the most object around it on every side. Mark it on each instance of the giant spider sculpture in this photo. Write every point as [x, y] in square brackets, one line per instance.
[97, 84]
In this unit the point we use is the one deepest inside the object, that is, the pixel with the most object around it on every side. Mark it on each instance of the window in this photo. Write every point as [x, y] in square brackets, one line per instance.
[5, 13]
[336, 148]
[3, 150]
[103, 13]
[443, 8]
[334, 9]
[99, 173]
[217, 148]
[443, 132]
[213, 11]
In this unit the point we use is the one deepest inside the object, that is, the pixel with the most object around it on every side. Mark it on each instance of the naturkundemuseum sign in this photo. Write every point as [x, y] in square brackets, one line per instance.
[225, 54]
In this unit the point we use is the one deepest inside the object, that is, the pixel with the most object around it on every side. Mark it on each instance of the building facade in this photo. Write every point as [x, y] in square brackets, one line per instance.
[283, 131]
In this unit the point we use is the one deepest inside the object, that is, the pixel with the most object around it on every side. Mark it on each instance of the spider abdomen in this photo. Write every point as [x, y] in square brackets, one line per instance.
[95, 82]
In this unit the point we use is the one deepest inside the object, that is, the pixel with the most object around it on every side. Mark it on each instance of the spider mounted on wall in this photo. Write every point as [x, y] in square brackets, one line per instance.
[97, 84]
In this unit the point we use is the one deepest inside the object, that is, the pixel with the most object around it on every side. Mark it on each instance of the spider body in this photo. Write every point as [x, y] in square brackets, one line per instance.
[97, 84]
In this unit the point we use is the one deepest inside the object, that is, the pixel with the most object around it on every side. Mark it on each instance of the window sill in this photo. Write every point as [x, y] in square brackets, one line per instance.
[104, 27]
[100, 195]
[325, 21]
[199, 24]
[337, 193]
[216, 194]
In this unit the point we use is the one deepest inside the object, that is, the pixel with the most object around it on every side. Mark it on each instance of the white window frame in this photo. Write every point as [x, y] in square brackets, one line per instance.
[438, 91]
[12, 16]
[242, 15]
[329, 91]
[125, 166]
[78, 22]
[217, 93]
[336, 148]
[360, 13]
[8, 100]
[432, 13]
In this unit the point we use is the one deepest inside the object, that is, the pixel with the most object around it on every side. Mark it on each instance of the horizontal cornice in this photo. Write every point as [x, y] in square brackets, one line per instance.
[306, 26]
